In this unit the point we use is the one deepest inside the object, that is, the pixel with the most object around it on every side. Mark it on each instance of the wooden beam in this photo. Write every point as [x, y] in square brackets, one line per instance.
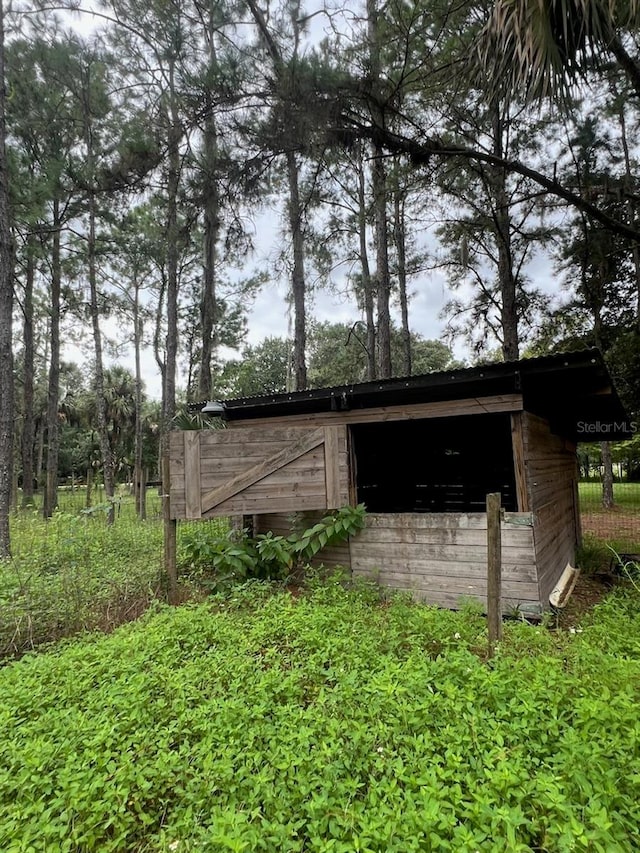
[261, 470]
[332, 466]
[413, 411]
[519, 463]
[192, 488]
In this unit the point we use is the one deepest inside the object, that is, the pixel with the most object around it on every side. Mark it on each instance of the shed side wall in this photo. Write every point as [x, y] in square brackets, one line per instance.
[551, 467]
[442, 557]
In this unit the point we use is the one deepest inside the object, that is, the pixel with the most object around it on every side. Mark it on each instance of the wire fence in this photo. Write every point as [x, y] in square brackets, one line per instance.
[620, 524]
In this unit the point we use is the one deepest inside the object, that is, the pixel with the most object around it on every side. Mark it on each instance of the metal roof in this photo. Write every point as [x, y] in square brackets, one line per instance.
[573, 390]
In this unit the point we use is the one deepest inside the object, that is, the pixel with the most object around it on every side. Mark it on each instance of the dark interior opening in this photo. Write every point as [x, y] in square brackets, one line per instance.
[434, 465]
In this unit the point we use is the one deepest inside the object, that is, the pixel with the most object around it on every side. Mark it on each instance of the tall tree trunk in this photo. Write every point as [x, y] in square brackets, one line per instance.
[208, 304]
[399, 238]
[379, 190]
[294, 206]
[101, 403]
[141, 508]
[6, 330]
[502, 221]
[631, 208]
[595, 303]
[607, 475]
[53, 393]
[367, 283]
[171, 348]
[379, 186]
[298, 286]
[28, 429]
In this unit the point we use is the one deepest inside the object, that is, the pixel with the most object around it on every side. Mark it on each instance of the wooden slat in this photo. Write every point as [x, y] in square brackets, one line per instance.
[415, 411]
[261, 470]
[466, 536]
[251, 446]
[260, 506]
[517, 442]
[310, 471]
[267, 490]
[227, 468]
[332, 466]
[460, 553]
[254, 432]
[192, 473]
[384, 562]
[445, 520]
[476, 587]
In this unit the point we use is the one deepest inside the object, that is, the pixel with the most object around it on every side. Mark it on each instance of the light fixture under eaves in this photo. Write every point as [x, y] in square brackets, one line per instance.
[213, 407]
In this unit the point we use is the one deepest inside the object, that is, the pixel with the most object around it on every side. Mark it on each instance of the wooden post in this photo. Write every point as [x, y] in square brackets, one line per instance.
[89, 494]
[136, 488]
[519, 464]
[494, 571]
[142, 488]
[170, 534]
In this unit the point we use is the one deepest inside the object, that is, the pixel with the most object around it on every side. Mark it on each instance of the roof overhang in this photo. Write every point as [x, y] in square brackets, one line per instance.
[573, 391]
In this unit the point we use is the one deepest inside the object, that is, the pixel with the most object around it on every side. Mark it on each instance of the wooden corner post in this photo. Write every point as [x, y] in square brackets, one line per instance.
[494, 570]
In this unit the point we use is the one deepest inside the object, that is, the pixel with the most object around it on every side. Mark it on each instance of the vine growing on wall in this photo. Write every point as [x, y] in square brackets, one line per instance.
[217, 559]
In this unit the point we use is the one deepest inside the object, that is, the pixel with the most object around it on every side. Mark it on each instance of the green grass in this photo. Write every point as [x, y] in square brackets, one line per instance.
[328, 723]
[626, 496]
[74, 573]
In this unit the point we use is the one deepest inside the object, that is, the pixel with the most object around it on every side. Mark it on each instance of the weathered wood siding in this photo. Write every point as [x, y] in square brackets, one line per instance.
[442, 557]
[259, 470]
[281, 524]
[551, 469]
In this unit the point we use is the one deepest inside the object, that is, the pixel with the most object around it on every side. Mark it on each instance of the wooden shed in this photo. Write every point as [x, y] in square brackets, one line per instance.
[421, 453]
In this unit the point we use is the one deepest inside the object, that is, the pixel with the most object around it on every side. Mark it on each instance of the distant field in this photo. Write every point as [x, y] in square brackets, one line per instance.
[74, 500]
[625, 495]
[620, 524]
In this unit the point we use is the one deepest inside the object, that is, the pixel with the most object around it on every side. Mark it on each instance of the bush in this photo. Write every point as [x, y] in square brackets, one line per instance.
[215, 560]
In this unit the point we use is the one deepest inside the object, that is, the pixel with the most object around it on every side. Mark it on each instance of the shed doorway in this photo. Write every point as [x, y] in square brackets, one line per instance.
[434, 465]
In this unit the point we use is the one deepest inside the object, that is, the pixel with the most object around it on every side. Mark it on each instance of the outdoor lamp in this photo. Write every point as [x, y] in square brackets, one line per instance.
[213, 407]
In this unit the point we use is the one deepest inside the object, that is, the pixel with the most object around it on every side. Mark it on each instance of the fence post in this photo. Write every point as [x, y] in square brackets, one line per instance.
[494, 571]
[170, 533]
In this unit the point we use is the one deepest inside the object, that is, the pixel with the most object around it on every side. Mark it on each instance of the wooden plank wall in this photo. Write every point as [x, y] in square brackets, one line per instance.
[204, 462]
[551, 468]
[281, 525]
[440, 558]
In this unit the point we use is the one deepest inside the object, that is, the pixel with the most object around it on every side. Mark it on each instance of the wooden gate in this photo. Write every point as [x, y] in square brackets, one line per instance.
[258, 470]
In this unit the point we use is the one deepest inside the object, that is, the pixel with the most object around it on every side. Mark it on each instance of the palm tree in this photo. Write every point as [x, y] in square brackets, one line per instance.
[119, 398]
[541, 46]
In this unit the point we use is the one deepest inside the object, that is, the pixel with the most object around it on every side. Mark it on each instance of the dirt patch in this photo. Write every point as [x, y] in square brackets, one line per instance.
[614, 524]
[589, 591]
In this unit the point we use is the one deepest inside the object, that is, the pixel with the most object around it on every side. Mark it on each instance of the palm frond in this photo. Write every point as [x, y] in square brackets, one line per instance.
[538, 48]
